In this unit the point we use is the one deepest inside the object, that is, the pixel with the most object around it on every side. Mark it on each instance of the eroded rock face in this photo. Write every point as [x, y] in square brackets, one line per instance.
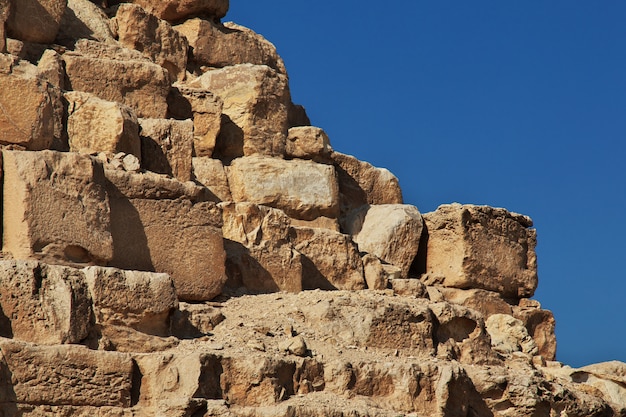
[84, 20]
[210, 173]
[167, 146]
[308, 142]
[172, 10]
[47, 14]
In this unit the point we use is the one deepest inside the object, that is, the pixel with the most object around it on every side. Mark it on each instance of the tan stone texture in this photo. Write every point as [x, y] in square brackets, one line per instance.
[509, 335]
[153, 37]
[482, 247]
[162, 225]
[302, 189]
[84, 20]
[210, 173]
[206, 111]
[32, 124]
[67, 375]
[4, 14]
[541, 325]
[118, 74]
[173, 10]
[44, 304]
[54, 208]
[307, 142]
[35, 20]
[167, 146]
[221, 45]
[95, 125]
[256, 100]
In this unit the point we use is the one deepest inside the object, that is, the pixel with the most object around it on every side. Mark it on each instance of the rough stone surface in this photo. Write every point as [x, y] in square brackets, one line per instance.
[4, 15]
[46, 13]
[54, 208]
[153, 37]
[509, 335]
[220, 45]
[173, 10]
[118, 74]
[390, 231]
[84, 20]
[210, 173]
[167, 146]
[256, 101]
[95, 125]
[540, 325]
[482, 247]
[308, 142]
[302, 189]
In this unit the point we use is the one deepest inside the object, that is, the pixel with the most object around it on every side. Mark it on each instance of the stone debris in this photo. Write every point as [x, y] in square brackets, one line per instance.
[178, 240]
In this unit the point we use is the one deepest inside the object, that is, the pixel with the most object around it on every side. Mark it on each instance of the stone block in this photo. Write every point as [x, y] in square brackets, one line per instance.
[84, 20]
[163, 225]
[210, 173]
[43, 304]
[482, 247]
[154, 38]
[118, 74]
[256, 102]
[392, 232]
[409, 287]
[485, 302]
[302, 189]
[55, 208]
[221, 45]
[174, 10]
[35, 20]
[509, 335]
[95, 125]
[167, 146]
[308, 142]
[540, 324]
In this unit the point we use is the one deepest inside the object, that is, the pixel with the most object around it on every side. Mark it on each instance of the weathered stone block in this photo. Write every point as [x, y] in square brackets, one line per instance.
[118, 74]
[173, 10]
[35, 20]
[163, 225]
[84, 20]
[44, 304]
[167, 146]
[221, 45]
[392, 232]
[307, 142]
[482, 247]
[55, 208]
[153, 37]
[256, 101]
[95, 125]
[210, 173]
[509, 335]
[540, 324]
[302, 189]
[141, 300]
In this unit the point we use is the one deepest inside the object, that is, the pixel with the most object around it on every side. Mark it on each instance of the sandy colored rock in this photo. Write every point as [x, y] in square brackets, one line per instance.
[361, 183]
[221, 45]
[206, 111]
[541, 325]
[320, 222]
[302, 189]
[44, 304]
[608, 377]
[82, 377]
[375, 274]
[84, 20]
[35, 20]
[163, 225]
[409, 287]
[210, 173]
[118, 74]
[32, 123]
[195, 320]
[173, 10]
[95, 125]
[153, 37]
[4, 15]
[482, 247]
[307, 142]
[140, 300]
[54, 208]
[332, 259]
[167, 146]
[485, 302]
[256, 100]
[509, 335]
[390, 231]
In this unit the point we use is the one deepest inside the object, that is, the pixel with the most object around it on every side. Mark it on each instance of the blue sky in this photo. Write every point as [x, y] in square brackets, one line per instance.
[515, 104]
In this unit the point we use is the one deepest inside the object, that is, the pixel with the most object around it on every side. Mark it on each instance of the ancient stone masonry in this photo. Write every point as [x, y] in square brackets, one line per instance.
[178, 241]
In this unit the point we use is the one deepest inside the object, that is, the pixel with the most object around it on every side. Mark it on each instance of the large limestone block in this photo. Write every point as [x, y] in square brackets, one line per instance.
[485, 302]
[206, 111]
[608, 377]
[54, 208]
[68, 375]
[163, 225]
[31, 107]
[482, 247]
[541, 325]
[256, 101]
[361, 183]
[221, 45]
[173, 10]
[302, 189]
[118, 74]
[35, 20]
[137, 299]
[210, 173]
[84, 20]
[332, 259]
[95, 125]
[509, 335]
[308, 142]
[390, 231]
[155, 38]
[167, 146]
[44, 304]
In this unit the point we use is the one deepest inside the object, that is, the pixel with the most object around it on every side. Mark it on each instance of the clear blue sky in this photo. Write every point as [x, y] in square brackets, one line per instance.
[515, 104]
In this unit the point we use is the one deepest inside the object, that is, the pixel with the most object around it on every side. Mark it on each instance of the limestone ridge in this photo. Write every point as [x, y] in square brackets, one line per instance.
[178, 241]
